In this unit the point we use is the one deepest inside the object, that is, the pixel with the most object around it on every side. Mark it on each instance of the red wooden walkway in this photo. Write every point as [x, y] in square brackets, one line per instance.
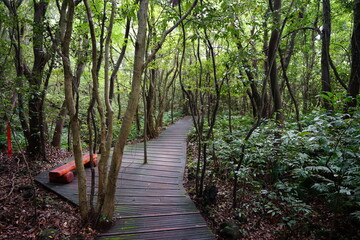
[151, 202]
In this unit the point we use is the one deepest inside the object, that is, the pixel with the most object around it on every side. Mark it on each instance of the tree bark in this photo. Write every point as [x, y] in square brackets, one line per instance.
[36, 145]
[70, 103]
[292, 95]
[150, 102]
[273, 44]
[59, 125]
[163, 95]
[354, 84]
[325, 55]
[119, 61]
[106, 127]
[108, 208]
[254, 92]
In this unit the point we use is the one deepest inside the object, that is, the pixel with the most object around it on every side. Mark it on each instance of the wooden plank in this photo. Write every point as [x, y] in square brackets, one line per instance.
[153, 192]
[158, 149]
[159, 215]
[153, 230]
[155, 145]
[157, 223]
[158, 156]
[148, 167]
[150, 187]
[149, 177]
[152, 200]
[153, 162]
[153, 204]
[138, 210]
[183, 234]
[133, 183]
[146, 180]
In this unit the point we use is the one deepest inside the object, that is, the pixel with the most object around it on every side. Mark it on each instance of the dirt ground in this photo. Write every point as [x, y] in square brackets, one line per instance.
[27, 210]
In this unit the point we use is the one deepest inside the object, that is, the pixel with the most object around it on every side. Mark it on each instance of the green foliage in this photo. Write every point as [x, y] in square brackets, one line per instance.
[167, 117]
[2, 141]
[330, 160]
[337, 100]
[134, 134]
[323, 160]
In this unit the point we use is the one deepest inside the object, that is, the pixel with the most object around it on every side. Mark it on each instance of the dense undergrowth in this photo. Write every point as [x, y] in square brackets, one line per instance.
[291, 184]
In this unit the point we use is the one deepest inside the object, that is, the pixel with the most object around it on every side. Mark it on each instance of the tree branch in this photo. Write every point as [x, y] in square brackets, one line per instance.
[167, 32]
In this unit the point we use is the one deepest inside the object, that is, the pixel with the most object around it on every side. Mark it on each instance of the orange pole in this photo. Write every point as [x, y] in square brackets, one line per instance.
[9, 139]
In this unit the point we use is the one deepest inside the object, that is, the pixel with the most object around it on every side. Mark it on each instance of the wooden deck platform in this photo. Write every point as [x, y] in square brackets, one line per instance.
[151, 202]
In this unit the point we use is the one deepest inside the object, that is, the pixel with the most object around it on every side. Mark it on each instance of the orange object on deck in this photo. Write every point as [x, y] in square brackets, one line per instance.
[66, 178]
[63, 173]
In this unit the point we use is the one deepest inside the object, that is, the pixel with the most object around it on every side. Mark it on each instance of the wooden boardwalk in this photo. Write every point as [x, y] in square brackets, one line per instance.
[151, 202]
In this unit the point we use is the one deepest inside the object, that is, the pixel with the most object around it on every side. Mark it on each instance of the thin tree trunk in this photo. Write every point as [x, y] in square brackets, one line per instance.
[90, 131]
[107, 121]
[310, 62]
[150, 101]
[273, 44]
[137, 120]
[108, 208]
[145, 124]
[325, 54]
[354, 84]
[229, 104]
[254, 92]
[290, 90]
[163, 95]
[59, 125]
[212, 116]
[120, 59]
[70, 103]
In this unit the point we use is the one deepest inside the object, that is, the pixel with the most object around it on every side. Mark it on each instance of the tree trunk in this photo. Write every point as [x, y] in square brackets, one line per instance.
[325, 61]
[163, 95]
[354, 83]
[70, 103]
[106, 121]
[273, 45]
[254, 92]
[109, 201]
[36, 141]
[56, 141]
[172, 102]
[150, 102]
[119, 61]
[80, 65]
[310, 62]
[292, 95]
[35, 126]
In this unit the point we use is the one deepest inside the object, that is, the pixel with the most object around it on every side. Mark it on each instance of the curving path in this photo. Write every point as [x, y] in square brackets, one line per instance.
[151, 202]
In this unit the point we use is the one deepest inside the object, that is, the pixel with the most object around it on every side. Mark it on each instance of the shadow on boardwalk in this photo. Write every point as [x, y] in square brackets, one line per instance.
[151, 202]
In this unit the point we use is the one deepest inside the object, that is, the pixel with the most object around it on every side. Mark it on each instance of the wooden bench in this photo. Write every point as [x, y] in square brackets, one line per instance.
[64, 174]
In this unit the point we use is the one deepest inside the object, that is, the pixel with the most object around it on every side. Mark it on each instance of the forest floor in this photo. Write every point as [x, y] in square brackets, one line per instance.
[27, 210]
[255, 220]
